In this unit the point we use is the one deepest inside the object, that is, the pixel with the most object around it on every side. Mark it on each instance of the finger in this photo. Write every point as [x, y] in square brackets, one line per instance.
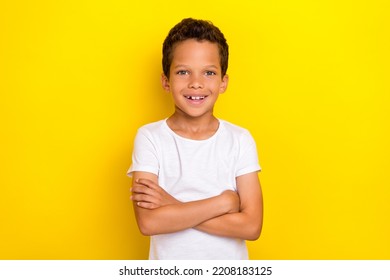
[140, 197]
[146, 182]
[143, 181]
[143, 198]
[139, 189]
[143, 189]
[146, 205]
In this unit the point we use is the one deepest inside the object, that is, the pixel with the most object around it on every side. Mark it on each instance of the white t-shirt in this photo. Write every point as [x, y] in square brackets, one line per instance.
[192, 170]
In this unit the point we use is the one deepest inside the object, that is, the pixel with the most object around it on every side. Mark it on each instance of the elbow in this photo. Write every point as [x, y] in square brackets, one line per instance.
[146, 222]
[254, 232]
[255, 229]
[146, 228]
[253, 236]
[145, 231]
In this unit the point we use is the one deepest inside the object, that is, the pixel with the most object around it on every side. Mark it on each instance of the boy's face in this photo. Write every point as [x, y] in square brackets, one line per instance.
[195, 78]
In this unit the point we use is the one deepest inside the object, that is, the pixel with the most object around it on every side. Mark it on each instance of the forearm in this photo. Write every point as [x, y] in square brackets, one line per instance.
[157, 212]
[176, 217]
[245, 224]
[236, 225]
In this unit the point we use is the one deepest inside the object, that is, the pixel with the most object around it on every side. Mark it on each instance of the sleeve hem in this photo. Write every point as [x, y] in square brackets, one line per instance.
[247, 170]
[149, 169]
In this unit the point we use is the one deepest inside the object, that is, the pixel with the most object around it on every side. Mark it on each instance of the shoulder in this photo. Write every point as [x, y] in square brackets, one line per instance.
[150, 133]
[235, 130]
[151, 128]
[240, 136]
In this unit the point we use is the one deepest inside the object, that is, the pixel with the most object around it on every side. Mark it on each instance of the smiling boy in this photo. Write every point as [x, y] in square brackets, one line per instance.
[195, 189]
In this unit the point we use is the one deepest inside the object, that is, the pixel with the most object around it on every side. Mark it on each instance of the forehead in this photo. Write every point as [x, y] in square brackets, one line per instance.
[196, 51]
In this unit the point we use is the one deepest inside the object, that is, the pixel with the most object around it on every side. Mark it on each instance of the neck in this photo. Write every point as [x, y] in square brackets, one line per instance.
[197, 128]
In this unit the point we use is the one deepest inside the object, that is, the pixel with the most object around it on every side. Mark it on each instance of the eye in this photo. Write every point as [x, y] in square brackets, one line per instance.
[210, 73]
[182, 72]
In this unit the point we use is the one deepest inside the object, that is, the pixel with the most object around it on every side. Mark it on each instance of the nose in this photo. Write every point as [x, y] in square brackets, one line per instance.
[195, 82]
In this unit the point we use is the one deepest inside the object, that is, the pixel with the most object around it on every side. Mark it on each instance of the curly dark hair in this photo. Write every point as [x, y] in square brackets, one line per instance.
[200, 30]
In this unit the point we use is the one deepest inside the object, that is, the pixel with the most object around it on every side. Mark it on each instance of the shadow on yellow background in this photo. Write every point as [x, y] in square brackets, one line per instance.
[309, 79]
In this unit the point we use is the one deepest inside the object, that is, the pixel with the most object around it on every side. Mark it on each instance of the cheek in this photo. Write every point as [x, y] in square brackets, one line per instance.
[174, 88]
[178, 84]
[217, 87]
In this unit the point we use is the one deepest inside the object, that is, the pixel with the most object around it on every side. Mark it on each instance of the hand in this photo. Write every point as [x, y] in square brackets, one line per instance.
[149, 195]
[233, 201]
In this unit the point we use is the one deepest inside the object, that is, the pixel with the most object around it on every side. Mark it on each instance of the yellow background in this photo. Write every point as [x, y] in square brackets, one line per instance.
[309, 79]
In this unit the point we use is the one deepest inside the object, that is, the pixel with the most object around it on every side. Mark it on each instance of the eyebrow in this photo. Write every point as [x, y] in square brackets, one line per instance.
[207, 66]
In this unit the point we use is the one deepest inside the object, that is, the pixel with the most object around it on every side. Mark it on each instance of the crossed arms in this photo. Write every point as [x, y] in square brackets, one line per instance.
[230, 214]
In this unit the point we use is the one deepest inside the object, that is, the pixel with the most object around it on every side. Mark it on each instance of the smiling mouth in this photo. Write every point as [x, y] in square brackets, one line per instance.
[195, 97]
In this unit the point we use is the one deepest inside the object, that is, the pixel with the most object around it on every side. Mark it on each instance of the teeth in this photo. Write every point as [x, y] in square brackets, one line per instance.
[195, 97]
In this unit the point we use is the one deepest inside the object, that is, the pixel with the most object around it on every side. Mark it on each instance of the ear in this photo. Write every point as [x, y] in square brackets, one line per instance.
[165, 83]
[224, 84]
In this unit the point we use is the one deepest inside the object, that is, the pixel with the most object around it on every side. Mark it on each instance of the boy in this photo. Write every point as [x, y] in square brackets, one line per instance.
[195, 189]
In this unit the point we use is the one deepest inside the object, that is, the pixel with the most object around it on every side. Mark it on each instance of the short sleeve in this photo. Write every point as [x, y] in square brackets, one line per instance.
[144, 156]
[247, 160]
